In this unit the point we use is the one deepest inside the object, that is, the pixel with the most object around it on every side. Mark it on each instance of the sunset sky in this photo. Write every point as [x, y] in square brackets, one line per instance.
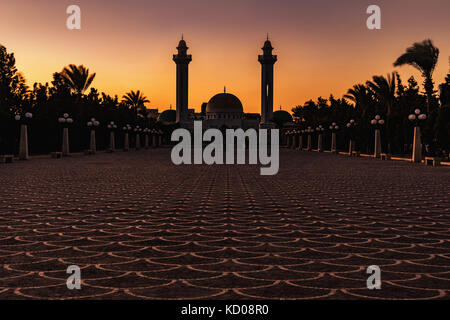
[323, 46]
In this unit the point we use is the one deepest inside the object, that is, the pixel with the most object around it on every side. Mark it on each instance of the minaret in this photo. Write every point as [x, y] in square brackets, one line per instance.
[182, 59]
[267, 61]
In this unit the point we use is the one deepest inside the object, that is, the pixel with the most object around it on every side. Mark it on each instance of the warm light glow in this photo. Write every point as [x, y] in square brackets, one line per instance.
[323, 46]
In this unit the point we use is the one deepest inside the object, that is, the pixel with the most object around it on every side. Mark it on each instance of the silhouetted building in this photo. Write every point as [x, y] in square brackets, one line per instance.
[225, 109]
[168, 116]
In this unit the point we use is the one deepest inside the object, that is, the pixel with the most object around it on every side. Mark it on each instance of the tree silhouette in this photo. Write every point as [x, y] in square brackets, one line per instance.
[76, 78]
[135, 100]
[13, 88]
[384, 91]
[362, 97]
[422, 56]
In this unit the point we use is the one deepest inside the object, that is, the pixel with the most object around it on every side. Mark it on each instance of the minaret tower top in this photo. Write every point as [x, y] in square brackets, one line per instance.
[267, 52]
[182, 60]
[182, 48]
[267, 60]
[182, 56]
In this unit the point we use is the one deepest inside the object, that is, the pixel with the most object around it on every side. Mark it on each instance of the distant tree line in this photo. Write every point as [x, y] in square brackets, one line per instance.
[394, 100]
[70, 92]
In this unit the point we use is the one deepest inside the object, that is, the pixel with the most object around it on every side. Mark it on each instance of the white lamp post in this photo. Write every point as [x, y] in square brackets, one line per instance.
[23, 142]
[160, 135]
[137, 130]
[154, 132]
[126, 142]
[309, 130]
[377, 122]
[287, 134]
[65, 120]
[320, 131]
[293, 142]
[416, 117]
[334, 128]
[146, 142]
[112, 139]
[351, 126]
[92, 125]
[300, 139]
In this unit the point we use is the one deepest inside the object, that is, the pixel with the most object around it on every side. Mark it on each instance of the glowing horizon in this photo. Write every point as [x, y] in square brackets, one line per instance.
[323, 47]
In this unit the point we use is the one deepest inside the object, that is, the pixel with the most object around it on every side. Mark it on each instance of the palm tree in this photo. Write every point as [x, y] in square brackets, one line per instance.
[135, 100]
[384, 90]
[422, 56]
[361, 96]
[77, 78]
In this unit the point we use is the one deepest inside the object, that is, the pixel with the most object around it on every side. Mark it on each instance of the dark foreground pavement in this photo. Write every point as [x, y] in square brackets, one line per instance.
[142, 228]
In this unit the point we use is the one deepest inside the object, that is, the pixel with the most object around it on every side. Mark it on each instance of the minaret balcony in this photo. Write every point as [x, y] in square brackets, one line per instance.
[182, 59]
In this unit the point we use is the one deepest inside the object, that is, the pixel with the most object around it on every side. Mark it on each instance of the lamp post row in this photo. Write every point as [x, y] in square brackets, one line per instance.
[295, 137]
[66, 120]
[293, 142]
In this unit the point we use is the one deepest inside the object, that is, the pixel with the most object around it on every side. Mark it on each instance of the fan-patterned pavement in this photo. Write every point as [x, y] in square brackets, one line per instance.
[140, 227]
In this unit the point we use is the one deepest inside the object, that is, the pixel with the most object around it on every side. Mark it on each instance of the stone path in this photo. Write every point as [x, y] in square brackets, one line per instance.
[142, 228]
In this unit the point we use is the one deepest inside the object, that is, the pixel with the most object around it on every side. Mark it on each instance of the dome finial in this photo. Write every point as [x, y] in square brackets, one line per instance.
[182, 36]
[267, 36]
[224, 89]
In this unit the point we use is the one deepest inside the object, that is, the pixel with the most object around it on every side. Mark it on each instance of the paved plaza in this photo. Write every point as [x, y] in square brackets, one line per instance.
[141, 228]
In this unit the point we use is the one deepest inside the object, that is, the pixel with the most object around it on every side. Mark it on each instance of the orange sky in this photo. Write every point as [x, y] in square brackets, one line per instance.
[323, 46]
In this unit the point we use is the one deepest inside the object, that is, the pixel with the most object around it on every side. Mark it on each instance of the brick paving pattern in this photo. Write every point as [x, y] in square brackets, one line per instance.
[142, 228]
